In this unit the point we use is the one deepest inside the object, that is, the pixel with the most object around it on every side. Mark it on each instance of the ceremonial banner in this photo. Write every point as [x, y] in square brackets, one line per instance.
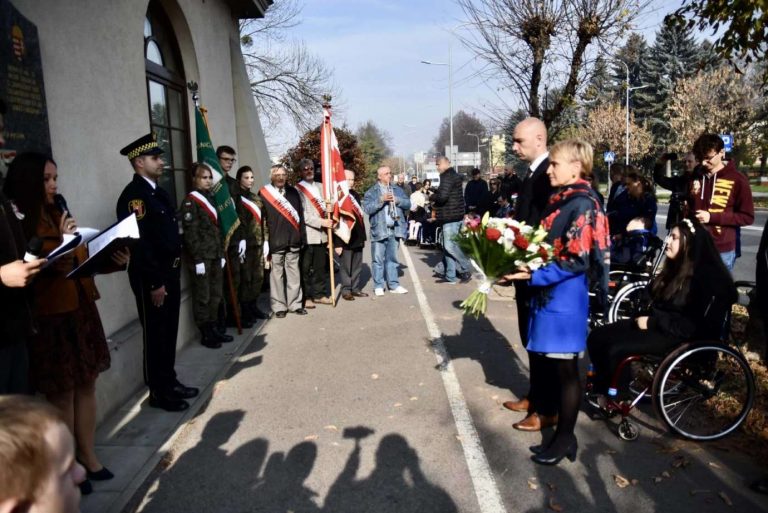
[206, 154]
[335, 188]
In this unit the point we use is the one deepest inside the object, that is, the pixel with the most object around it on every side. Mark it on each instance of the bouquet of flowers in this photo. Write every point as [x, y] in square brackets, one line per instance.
[495, 247]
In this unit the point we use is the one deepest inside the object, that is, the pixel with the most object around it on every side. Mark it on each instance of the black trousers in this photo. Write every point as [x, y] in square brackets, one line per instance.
[523, 301]
[160, 326]
[610, 344]
[349, 270]
[314, 271]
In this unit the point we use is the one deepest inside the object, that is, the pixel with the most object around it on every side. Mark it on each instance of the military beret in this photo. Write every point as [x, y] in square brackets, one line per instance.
[146, 145]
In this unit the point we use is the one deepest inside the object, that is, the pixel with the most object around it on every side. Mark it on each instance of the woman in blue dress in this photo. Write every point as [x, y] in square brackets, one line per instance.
[578, 231]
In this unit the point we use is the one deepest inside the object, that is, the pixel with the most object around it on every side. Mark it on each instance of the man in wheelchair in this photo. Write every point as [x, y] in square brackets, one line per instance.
[690, 299]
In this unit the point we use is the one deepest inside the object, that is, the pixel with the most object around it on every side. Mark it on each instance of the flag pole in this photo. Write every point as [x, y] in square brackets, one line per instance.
[230, 285]
[327, 166]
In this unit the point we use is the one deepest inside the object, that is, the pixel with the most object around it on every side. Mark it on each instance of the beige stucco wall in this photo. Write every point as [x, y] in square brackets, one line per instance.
[93, 65]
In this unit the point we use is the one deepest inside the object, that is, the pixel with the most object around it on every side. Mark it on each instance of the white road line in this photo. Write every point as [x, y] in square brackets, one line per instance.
[486, 490]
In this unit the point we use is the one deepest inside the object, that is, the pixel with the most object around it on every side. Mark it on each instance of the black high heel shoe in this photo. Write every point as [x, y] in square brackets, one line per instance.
[550, 457]
[537, 449]
[100, 475]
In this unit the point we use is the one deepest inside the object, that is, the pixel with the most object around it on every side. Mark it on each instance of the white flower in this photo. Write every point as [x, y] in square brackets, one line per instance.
[532, 248]
[535, 263]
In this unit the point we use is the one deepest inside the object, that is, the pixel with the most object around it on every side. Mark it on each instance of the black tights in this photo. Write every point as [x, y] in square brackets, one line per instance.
[564, 390]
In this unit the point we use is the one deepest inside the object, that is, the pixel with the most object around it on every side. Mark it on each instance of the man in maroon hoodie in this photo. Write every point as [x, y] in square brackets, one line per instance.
[722, 198]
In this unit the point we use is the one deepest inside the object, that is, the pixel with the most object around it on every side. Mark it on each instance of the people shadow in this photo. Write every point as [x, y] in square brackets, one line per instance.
[282, 488]
[479, 340]
[250, 357]
[396, 485]
[187, 485]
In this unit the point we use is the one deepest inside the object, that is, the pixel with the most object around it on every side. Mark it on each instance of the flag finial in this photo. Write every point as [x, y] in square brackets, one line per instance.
[326, 101]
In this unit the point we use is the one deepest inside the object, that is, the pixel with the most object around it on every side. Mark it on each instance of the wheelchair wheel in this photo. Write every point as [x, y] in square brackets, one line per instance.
[703, 391]
[627, 302]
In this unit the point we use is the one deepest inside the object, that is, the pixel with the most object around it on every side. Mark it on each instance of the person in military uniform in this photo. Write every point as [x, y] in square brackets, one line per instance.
[237, 247]
[255, 232]
[204, 248]
[154, 272]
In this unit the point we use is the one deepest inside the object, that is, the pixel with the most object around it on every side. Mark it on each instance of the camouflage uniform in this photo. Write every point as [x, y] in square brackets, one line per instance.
[255, 233]
[203, 244]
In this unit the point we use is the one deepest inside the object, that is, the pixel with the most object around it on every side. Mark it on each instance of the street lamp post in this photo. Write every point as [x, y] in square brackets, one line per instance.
[626, 149]
[450, 95]
[476, 136]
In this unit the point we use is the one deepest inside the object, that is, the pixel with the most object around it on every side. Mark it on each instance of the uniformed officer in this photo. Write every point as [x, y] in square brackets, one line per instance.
[254, 230]
[154, 272]
[204, 248]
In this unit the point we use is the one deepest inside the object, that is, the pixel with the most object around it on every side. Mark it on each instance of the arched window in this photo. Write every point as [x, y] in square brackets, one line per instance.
[166, 90]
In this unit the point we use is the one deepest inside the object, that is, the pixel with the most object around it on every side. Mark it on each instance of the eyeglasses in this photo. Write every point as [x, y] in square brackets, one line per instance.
[309, 169]
[710, 158]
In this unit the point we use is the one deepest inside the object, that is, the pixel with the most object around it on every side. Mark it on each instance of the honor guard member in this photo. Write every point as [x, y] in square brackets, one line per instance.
[154, 272]
[237, 243]
[204, 249]
[254, 230]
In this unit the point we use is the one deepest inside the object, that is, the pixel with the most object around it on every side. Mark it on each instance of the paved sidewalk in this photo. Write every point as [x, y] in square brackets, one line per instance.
[137, 437]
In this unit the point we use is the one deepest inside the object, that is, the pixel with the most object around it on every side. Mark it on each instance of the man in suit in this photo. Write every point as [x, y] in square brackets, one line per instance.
[530, 145]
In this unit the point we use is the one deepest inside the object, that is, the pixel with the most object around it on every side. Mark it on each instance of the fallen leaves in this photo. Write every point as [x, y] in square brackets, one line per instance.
[331, 427]
[680, 462]
[532, 484]
[310, 438]
[374, 376]
[554, 506]
[725, 498]
[621, 481]
[714, 465]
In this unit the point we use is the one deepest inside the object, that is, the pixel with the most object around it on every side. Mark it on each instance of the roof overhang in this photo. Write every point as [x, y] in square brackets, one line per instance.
[242, 9]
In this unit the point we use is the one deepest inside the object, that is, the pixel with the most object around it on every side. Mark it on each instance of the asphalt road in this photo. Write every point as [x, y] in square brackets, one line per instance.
[393, 404]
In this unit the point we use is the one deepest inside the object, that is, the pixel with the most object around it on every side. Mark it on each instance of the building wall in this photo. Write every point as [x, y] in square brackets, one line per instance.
[95, 86]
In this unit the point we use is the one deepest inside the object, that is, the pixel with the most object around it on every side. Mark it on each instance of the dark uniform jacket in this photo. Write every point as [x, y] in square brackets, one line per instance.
[449, 199]
[159, 248]
[15, 318]
[202, 236]
[534, 195]
[357, 238]
[282, 234]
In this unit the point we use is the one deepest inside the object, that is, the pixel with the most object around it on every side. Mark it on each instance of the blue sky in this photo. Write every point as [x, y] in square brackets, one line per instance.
[375, 48]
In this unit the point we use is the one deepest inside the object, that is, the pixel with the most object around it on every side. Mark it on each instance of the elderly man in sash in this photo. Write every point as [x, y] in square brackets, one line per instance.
[351, 252]
[284, 219]
[314, 255]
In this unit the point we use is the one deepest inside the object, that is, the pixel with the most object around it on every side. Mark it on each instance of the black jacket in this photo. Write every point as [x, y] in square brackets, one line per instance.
[16, 318]
[282, 234]
[534, 196]
[475, 193]
[449, 199]
[154, 259]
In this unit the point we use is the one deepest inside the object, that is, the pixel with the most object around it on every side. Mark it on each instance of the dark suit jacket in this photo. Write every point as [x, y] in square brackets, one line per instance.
[533, 196]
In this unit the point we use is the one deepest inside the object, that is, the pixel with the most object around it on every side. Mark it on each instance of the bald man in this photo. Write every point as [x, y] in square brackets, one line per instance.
[387, 207]
[530, 146]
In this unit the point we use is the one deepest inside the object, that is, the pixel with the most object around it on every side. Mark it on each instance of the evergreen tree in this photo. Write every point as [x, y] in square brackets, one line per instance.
[600, 89]
[634, 53]
[674, 55]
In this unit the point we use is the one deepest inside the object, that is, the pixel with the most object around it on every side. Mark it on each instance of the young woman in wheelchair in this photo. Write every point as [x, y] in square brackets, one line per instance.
[689, 300]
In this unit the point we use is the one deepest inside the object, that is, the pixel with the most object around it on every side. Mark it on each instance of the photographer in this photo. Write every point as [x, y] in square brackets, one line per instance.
[680, 185]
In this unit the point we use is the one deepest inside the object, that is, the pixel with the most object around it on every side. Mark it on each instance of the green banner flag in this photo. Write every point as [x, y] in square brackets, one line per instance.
[206, 154]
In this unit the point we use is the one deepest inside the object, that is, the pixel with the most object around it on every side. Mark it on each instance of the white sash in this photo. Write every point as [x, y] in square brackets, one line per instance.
[253, 208]
[203, 202]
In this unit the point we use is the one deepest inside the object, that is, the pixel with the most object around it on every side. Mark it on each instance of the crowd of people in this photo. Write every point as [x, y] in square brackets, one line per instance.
[53, 342]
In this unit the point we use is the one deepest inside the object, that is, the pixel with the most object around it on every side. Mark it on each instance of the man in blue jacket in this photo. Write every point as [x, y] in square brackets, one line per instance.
[387, 206]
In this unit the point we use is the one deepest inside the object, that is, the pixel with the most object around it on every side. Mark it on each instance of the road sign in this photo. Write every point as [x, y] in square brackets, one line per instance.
[609, 157]
[727, 141]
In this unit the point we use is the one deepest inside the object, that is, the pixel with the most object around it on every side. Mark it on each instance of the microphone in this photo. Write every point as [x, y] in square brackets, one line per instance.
[34, 247]
[61, 204]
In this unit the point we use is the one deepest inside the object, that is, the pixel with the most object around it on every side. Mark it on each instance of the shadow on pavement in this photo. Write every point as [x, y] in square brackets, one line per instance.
[208, 478]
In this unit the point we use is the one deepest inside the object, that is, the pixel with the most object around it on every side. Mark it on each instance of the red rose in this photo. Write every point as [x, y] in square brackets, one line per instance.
[515, 230]
[521, 242]
[543, 254]
[492, 234]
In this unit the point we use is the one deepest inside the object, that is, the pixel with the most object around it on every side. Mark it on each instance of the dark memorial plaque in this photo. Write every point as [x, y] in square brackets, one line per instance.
[21, 84]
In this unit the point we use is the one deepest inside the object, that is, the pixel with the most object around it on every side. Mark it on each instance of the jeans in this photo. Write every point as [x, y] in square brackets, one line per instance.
[385, 262]
[729, 259]
[453, 257]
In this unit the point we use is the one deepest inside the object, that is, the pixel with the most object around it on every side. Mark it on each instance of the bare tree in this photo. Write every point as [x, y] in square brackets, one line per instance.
[286, 79]
[534, 44]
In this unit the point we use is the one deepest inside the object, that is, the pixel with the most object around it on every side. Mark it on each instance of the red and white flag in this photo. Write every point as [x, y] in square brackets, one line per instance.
[335, 188]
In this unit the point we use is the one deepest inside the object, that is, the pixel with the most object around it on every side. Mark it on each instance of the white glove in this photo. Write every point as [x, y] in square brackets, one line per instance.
[266, 249]
[223, 262]
[200, 269]
[241, 250]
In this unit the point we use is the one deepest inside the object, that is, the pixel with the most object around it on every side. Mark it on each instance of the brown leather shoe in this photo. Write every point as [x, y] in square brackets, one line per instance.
[309, 304]
[535, 422]
[348, 297]
[521, 405]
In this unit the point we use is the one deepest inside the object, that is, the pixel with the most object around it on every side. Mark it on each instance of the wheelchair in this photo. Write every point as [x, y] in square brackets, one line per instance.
[627, 282]
[702, 390]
